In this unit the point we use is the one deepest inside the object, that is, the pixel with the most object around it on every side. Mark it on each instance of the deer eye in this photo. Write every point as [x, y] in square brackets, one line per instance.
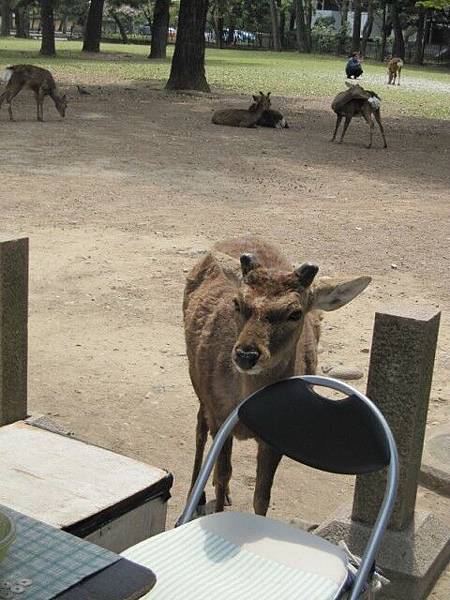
[237, 306]
[296, 315]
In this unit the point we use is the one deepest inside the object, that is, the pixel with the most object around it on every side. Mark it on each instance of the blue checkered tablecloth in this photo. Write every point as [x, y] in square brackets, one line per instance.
[51, 559]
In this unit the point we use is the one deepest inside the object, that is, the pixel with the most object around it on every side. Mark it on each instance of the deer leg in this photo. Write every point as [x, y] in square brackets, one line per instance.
[338, 122]
[222, 474]
[3, 98]
[201, 435]
[9, 96]
[368, 118]
[40, 101]
[399, 77]
[268, 460]
[380, 125]
[346, 124]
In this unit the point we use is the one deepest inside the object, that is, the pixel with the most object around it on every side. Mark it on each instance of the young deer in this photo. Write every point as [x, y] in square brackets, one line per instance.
[269, 118]
[39, 80]
[239, 117]
[394, 68]
[251, 319]
[356, 101]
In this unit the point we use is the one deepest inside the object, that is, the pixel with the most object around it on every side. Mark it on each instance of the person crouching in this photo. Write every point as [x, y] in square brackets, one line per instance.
[353, 68]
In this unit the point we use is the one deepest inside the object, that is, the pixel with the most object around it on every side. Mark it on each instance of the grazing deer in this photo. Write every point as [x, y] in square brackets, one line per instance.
[239, 117]
[356, 101]
[251, 319]
[394, 68]
[39, 80]
[269, 118]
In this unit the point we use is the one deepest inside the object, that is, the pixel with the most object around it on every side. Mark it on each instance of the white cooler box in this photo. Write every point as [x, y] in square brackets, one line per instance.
[93, 493]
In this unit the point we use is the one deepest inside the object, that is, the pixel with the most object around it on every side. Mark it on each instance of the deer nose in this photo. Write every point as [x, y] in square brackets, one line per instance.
[247, 356]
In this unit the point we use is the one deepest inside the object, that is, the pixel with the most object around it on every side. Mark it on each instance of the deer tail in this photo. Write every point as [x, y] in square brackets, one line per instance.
[6, 74]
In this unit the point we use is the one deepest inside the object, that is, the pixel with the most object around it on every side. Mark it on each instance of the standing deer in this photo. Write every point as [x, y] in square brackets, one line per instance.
[239, 117]
[39, 80]
[356, 101]
[394, 68]
[251, 319]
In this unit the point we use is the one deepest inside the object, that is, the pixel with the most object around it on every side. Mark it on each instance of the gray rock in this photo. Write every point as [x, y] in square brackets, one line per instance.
[345, 373]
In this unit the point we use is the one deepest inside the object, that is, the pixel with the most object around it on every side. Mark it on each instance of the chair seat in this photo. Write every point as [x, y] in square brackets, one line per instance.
[236, 556]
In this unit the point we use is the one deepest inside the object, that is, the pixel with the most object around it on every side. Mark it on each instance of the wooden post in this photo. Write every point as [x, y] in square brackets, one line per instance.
[13, 328]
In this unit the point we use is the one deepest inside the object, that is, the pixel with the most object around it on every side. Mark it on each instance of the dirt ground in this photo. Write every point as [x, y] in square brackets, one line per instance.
[122, 197]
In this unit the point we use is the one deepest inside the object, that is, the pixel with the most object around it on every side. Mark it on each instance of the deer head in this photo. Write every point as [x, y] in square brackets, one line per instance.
[261, 102]
[270, 308]
[61, 105]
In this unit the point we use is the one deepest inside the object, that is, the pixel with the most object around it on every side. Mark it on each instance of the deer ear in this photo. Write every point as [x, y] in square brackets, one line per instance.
[331, 293]
[248, 263]
[306, 274]
[255, 98]
[64, 97]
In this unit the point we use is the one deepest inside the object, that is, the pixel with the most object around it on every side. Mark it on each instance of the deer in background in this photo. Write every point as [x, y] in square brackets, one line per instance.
[269, 118]
[239, 117]
[251, 319]
[394, 68]
[356, 101]
[39, 80]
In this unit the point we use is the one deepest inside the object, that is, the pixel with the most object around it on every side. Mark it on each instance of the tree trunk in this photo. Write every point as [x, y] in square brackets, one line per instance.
[418, 59]
[93, 29]
[219, 33]
[356, 37]
[22, 22]
[342, 40]
[62, 24]
[367, 31]
[188, 64]
[398, 49]
[160, 27]
[426, 37]
[301, 30]
[383, 34]
[275, 19]
[283, 27]
[292, 19]
[6, 18]
[48, 28]
[118, 22]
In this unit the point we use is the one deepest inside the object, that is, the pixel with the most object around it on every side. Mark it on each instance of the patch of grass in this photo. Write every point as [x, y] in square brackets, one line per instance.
[425, 91]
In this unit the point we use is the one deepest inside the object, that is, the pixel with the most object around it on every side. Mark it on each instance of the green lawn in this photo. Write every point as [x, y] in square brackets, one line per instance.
[425, 91]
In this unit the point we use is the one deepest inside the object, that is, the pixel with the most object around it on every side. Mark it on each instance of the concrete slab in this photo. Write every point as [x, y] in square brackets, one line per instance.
[412, 558]
[435, 468]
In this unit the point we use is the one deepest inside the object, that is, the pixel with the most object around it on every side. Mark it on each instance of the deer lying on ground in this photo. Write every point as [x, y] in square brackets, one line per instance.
[356, 101]
[239, 117]
[394, 68]
[269, 118]
[39, 80]
[251, 319]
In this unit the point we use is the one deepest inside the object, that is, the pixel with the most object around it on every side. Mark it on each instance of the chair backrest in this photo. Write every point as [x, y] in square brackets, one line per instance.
[340, 436]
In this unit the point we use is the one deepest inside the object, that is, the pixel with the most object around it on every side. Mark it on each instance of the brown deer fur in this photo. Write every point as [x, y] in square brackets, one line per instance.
[239, 117]
[39, 80]
[394, 68]
[356, 101]
[251, 319]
